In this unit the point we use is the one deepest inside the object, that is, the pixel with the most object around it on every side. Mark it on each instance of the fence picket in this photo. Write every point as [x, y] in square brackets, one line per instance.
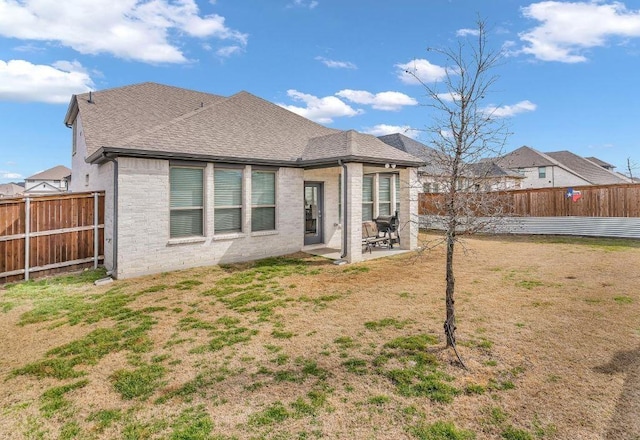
[50, 233]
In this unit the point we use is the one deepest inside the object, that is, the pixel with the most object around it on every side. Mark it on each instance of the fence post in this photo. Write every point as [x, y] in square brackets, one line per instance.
[95, 231]
[27, 224]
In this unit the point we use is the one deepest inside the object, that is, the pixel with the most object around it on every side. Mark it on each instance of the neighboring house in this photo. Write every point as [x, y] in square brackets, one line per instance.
[52, 181]
[195, 179]
[433, 177]
[489, 176]
[8, 190]
[557, 169]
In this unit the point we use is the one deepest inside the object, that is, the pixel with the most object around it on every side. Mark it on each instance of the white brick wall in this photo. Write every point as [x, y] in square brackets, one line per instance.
[144, 246]
[100, 178]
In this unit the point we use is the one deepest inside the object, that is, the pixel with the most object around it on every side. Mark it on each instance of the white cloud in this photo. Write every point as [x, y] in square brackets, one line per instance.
[303, 4]
[507, 111]
[22, 81]
[336, 64]
[568, 28]
[467, 32]
[228, 51]
[321, 110]
[420, 70]
[10, 175]
[131, 29]
[392, 101]
[382, 129]
[449, 96]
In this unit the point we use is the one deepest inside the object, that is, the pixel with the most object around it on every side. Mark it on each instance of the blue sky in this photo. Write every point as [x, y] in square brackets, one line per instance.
[569, 82]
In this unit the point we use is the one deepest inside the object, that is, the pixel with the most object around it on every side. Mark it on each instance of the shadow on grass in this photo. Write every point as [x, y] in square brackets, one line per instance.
[625, 421]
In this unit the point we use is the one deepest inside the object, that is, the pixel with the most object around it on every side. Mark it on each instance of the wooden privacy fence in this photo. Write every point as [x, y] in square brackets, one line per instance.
[50, 233]
[587, 201]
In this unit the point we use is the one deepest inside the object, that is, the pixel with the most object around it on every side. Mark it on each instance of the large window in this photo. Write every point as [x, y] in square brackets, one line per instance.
[263, 200]
[367, 198]
[384, 195]
[227, 184]
[186, 202]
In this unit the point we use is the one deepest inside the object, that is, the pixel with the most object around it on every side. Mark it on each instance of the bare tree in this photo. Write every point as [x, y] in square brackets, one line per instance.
[465, 130]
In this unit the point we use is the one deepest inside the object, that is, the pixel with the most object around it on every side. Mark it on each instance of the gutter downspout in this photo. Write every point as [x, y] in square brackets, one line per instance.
[114, 160]
[344, 208]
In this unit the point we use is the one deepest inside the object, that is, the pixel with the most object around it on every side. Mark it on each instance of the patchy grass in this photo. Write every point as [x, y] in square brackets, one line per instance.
[297, 348]
[387, 322]
[53, 400]
[440, 431]
[139, 383]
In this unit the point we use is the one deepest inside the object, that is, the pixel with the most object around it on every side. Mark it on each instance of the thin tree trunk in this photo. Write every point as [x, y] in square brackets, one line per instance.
[450, 323]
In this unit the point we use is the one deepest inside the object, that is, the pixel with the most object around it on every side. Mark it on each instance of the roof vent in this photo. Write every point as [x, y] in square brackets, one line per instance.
[90, 101]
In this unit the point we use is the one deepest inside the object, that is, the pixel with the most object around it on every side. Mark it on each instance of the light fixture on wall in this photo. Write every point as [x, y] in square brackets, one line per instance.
[389, 165]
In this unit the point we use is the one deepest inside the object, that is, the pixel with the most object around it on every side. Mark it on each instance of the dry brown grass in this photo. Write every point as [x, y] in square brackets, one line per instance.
[550, 331]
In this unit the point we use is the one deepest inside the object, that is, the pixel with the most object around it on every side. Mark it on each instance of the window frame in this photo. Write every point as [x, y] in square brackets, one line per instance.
[217, 208]
[542, 172]
[388, 202]
[370, 203]
[200, 207]
[262, 206]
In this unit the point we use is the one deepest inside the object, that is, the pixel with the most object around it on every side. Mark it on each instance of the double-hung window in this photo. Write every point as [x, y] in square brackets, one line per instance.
[263, 200]
[384, 195]
[367, 198]
[542, 172]
[186, 202]
[227, 193]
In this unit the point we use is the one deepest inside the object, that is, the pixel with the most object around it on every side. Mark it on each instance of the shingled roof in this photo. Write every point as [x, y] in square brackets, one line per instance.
[10, 190]
[59, 172]
[600, 162]
[153, 120]
[430, 157]
[593, 172]
[109, 116]
[526, 157]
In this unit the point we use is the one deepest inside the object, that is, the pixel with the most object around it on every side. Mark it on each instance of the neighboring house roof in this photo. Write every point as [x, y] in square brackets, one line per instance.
[430, 156]
[153, 120]
[600, 162]
[490, 169]
[10, 190]
[59, 172]
[434, 163]
[593, 172]
[525, 157]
